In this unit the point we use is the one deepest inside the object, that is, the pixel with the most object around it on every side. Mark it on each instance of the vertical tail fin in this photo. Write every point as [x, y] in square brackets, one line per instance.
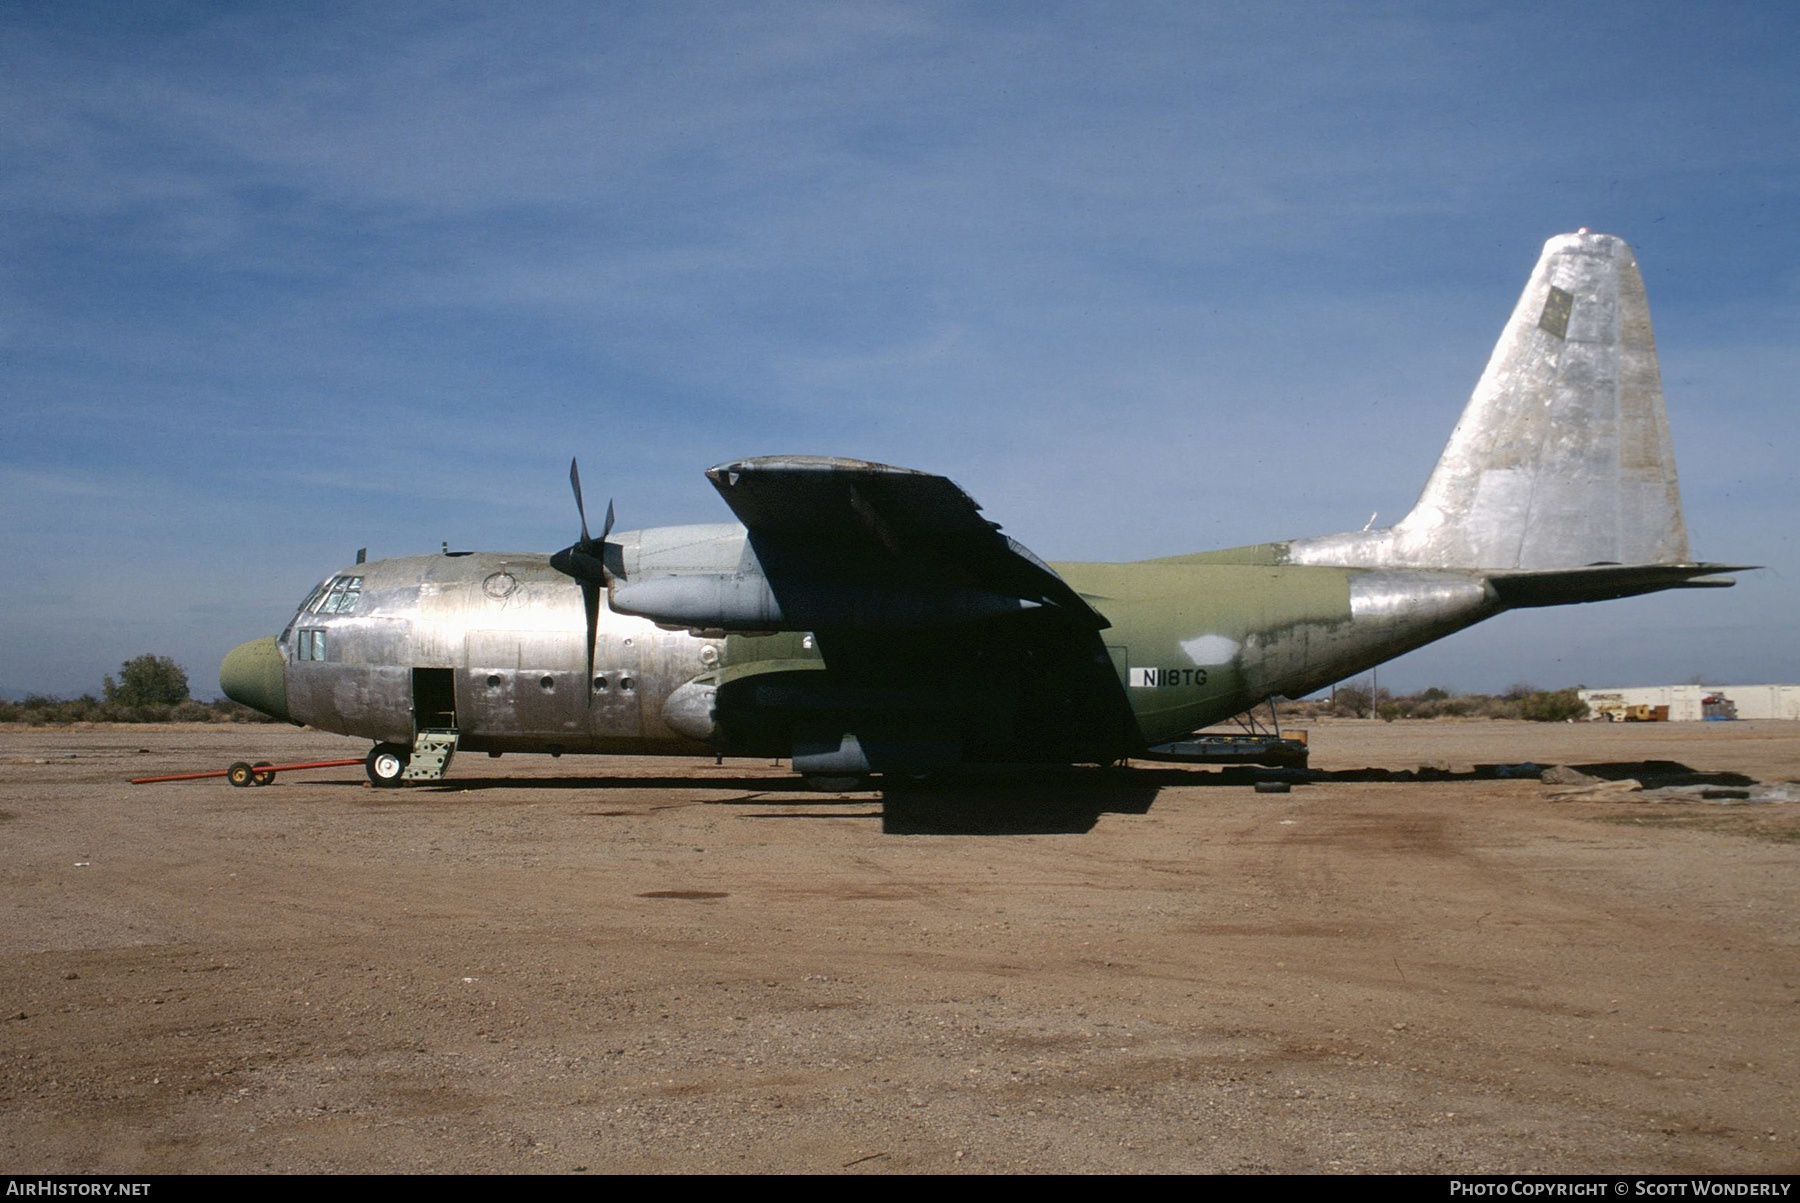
[1562, 457]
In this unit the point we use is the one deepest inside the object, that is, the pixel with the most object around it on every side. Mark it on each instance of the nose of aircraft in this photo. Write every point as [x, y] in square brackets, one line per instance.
[253, 674]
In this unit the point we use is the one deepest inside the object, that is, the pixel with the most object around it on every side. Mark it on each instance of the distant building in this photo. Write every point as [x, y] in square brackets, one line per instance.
[1691, 703]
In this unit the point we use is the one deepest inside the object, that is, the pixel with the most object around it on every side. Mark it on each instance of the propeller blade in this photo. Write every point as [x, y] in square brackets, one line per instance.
[586, 562]
[590, 596]
[575, 483]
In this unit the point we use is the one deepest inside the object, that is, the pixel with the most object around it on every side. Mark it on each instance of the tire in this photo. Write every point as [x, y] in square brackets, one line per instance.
[1271, 787]
[257, 778]
[385, 764]
[240, 774]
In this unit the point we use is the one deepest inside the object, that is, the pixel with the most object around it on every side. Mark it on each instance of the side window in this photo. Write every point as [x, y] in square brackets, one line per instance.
[309, 645]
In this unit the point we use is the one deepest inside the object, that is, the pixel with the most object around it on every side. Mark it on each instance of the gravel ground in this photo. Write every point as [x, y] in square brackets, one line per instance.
[627, 964]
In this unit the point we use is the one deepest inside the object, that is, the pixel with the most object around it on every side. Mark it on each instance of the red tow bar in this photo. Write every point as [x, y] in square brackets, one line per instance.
[244, 773]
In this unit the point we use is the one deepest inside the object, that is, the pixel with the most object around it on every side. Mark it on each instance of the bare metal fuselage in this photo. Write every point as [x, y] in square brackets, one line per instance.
[508, 629]
[1192, 641]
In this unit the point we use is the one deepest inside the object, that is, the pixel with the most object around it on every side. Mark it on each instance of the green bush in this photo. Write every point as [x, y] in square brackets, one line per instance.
[148, 680]
[1552, 706]
[1518, 702]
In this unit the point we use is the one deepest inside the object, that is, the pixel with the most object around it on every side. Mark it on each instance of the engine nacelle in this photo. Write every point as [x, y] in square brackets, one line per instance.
[745, 602]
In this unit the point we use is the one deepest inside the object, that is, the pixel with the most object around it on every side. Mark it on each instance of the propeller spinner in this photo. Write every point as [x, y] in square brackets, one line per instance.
[586, 562]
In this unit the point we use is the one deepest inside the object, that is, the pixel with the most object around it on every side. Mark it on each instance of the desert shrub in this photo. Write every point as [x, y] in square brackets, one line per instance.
[1552, 706]
[148, 680]
[1518, 702]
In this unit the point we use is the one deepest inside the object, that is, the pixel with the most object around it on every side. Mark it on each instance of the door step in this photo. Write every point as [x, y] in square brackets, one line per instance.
[431, 753]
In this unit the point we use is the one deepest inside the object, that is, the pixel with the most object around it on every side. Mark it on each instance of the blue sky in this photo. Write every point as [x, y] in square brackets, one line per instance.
[282, 281]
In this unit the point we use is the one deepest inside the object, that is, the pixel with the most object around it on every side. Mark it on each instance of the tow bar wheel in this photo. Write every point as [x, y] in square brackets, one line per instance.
[240, 774]
[385, 764]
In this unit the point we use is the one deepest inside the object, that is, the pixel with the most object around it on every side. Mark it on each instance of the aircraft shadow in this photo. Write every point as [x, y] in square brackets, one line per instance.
[1071, 801]
[1033, 801]
[1052, 809]
[1065, 801]
[1656, 774]
[755, 785]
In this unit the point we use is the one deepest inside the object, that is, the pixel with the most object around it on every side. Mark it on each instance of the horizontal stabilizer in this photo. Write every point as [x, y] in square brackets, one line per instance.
[1603, 582]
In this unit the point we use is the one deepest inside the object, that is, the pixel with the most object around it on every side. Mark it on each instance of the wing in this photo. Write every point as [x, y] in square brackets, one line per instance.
[938, 638]
[872, 526]
[839, 544]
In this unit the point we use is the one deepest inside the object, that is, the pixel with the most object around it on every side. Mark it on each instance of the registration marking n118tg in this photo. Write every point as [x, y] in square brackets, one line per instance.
[1153, 678]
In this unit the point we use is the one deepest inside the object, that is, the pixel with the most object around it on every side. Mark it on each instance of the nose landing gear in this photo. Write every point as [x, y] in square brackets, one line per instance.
[386, 765]
[392, 765]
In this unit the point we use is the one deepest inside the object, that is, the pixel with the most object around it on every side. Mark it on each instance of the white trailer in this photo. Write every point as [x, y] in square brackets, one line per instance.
[1686, 703]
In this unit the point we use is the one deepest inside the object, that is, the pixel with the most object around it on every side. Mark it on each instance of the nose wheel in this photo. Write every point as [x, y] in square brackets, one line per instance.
[385, 764]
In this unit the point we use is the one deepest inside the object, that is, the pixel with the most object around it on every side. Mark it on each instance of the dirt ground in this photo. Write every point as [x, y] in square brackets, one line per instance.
[638, 965]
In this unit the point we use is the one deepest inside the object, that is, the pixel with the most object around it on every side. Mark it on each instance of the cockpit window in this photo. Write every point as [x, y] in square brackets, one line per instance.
[334, 595]
[309, 645]
[312, 599]
[342, 596]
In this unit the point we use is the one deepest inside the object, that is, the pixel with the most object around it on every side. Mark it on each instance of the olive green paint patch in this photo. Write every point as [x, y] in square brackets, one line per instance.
[1192, 596]
[1165, 613]
[1266, 555]
[1555, 318]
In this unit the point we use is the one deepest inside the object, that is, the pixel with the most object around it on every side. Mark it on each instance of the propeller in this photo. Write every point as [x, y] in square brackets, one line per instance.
[586, 562]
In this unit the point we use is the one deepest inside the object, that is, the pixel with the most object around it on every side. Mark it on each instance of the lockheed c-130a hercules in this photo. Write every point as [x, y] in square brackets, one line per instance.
[864, 619]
